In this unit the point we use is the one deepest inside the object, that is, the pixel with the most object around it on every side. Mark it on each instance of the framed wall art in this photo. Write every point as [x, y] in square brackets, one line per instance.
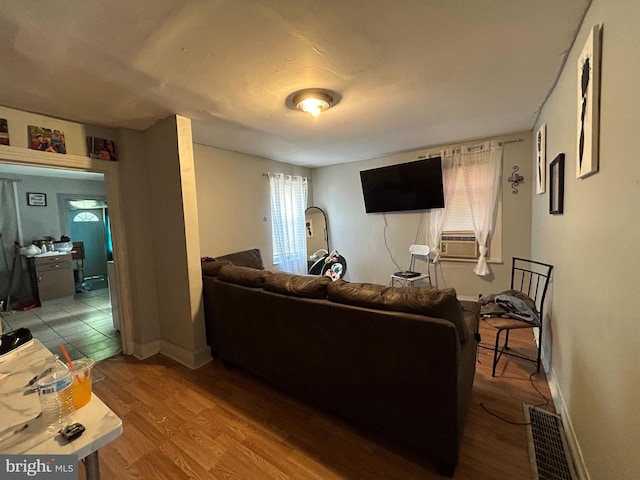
[556, 185]
[541, 159]
[4, 131]
[36, 199]
[47, 140]
[102, 148]
[588, 105]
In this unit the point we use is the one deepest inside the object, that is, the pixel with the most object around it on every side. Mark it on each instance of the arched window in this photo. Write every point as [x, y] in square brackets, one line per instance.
[86, 217]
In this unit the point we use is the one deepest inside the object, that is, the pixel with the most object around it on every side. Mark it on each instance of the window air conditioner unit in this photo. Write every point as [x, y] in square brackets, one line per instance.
[458, 245]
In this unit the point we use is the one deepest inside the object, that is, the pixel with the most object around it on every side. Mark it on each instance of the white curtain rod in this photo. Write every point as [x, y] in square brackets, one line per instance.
[500, 144]
[286, 174]
[430, 155]
[437, 154]
[515, 140]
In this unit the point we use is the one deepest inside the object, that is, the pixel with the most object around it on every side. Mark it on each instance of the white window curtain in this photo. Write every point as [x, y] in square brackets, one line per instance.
[288, 203]
[13, 282]
[482, 174]
[438, 216]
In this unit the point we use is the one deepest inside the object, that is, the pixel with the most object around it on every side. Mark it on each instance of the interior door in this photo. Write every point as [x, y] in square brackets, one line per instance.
[87, 225]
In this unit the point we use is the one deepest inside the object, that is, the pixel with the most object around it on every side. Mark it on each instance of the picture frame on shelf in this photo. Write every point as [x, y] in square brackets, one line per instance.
[588, 98]
[102, 148]
[36, 199]
[556, 185]
[541, 159]
[4, 132]
[47, 140]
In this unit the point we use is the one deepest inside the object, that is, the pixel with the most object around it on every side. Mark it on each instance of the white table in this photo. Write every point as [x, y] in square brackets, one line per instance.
[422, 280]
[17, 409]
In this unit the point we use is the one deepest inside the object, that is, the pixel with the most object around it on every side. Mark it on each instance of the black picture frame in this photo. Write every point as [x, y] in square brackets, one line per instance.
[588, 105]
[556, 185]
[36, 199]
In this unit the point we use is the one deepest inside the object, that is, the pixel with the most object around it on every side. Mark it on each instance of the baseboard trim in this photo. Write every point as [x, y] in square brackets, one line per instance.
[561, 409]
[202, 357]
[186, 357]
[146, 350]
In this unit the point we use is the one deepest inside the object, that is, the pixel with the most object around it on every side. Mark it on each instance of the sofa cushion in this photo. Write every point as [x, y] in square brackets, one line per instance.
[430, 302]
[367, 295]
[245, 276]
[212, 269]
[246, 258]
[306, 286]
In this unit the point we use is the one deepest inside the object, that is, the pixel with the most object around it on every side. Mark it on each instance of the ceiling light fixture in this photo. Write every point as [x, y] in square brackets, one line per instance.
[312, 101]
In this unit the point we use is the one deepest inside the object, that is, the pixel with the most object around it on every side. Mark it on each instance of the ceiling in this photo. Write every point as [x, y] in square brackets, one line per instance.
[408, 73]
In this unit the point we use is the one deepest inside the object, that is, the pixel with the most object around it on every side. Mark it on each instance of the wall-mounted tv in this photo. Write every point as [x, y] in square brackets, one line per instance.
[407, 186]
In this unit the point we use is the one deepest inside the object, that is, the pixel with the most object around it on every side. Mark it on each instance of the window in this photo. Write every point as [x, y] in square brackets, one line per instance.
[86, 217]
[288, 202]
[459, 219]
[471, 180]
[459, 216]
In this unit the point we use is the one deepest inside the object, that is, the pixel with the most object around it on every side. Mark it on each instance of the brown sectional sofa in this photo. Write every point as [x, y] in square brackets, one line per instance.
[398, 362]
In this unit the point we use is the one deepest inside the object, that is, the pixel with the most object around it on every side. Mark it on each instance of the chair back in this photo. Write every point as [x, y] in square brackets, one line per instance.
[532, 278]
[417, 251]
[422, 250]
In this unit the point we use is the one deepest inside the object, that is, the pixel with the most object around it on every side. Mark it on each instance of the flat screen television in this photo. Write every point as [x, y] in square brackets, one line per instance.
[407, 186]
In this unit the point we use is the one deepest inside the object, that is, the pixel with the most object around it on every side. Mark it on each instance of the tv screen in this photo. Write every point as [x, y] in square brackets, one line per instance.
[406, 186]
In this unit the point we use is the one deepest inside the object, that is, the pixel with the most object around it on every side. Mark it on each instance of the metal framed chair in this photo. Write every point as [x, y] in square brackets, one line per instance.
[531, 278]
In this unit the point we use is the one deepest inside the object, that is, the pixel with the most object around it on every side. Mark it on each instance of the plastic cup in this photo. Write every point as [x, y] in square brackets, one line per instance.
[81, 385]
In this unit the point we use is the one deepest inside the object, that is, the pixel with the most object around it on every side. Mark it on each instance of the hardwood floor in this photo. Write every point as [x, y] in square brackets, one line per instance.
[214, 423]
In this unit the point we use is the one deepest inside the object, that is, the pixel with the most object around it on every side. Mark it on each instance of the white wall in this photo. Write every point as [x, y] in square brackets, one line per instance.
[158, 194]
[142, 272]
[359, 236]
[593, 334]
[174, 240]
[233, 201]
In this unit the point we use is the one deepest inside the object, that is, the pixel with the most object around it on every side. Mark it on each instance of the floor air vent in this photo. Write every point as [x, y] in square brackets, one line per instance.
[548, 448]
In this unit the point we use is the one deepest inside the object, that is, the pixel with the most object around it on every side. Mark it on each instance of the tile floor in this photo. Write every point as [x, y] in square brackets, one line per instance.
[84, 325]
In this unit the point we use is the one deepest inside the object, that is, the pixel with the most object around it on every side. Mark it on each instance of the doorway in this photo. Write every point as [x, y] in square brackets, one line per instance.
[17, 161]
[87, 221]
